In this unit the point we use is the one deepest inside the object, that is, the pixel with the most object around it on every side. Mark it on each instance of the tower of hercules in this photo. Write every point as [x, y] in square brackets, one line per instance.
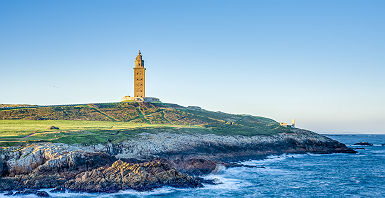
[139, 77]
[139, 83]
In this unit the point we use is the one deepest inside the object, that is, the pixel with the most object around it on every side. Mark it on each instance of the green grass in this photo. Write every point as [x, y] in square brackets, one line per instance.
[115, 122]
[42, 125]
[75, 131]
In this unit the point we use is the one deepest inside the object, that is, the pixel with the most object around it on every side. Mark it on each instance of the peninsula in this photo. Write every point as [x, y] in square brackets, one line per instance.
[136, 145]
[140, 143]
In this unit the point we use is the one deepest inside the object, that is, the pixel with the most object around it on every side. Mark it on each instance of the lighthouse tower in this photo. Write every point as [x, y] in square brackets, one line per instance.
[139, 77]
[139, 83]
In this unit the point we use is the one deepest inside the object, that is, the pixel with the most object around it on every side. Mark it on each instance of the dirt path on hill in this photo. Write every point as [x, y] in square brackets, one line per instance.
[29, 135]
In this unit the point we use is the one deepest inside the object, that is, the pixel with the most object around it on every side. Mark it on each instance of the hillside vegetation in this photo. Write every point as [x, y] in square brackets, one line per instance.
[115, 122]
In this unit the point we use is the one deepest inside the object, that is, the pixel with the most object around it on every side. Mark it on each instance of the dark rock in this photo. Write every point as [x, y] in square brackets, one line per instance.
[228, 165]
[35, 181]
[4, 170]
[193, 166]
[363, 144]
[53, 127]
[9, 183]
[26, 192]
[138, 176]
[58, 190]
[38, 181]
[9, 193]
[42, 194]
[32, 191]
[209, 181]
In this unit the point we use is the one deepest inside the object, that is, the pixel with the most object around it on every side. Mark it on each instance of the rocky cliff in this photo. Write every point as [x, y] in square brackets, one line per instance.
[148, 161]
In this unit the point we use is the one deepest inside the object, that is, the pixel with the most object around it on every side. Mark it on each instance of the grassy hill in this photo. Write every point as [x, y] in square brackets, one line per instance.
[115, 122]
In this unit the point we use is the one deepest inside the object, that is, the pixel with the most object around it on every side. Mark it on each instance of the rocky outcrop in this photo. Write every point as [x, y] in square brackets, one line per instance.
[123, 175]
[196, 166]
[45, 157]
[109, 178]
[148, 161]
[225, 148]
[48, 157]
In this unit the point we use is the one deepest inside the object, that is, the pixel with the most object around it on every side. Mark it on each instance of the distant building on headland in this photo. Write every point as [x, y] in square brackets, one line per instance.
[139, 83]
[284, 124]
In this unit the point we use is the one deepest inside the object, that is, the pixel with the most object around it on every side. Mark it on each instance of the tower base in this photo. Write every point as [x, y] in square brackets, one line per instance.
[139, 99]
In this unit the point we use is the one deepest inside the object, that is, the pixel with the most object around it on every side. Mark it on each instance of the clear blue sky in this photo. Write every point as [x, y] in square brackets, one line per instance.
[321, 62]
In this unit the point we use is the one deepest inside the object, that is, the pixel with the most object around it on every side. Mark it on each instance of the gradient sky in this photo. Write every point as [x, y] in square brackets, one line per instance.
[321, 62]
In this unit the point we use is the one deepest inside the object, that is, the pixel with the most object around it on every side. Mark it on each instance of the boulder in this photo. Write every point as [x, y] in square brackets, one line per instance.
[42, 194]
[363, 144]
[3, 167]
[58, 190]
[194, 166]
[25, 192]
[32, 191]
[9, 183]
[8, 193]
[53, 127]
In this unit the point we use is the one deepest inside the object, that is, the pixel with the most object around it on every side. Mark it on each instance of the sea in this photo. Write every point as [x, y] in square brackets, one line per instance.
[290, 175]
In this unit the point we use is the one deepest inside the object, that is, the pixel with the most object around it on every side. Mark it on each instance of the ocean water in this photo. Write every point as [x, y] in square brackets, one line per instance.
[302, 175]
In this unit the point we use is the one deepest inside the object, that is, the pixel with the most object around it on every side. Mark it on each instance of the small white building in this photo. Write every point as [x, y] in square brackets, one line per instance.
[284, 124]
[139, 99]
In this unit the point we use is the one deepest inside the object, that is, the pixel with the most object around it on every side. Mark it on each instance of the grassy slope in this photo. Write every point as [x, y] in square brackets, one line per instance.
[100, 123]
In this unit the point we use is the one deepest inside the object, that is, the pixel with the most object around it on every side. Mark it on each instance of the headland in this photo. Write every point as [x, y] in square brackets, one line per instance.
[108, 147]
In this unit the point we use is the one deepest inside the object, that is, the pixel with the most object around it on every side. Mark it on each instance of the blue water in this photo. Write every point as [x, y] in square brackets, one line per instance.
[307, 175]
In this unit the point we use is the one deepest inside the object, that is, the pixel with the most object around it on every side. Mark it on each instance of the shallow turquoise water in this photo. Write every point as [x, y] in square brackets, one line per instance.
[308, 175]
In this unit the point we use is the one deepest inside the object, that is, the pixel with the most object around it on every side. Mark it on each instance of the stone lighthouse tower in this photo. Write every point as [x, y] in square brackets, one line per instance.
[139, 83]
[139, 77]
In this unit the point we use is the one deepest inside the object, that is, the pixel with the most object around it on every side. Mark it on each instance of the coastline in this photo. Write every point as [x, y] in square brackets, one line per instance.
[180, 160]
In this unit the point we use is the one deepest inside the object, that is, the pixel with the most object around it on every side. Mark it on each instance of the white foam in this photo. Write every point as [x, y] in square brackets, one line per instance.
[27, 196]
[377, 152]
[274, 158]
[225, 181]
[158, 191]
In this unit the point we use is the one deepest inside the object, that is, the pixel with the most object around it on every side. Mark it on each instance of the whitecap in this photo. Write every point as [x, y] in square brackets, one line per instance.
[378, 152]
[155, 192]
[274, 158]
[158, 191]
[224, 181]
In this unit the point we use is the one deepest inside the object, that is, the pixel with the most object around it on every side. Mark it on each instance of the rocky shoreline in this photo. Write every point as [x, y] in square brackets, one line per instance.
[146, 162]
